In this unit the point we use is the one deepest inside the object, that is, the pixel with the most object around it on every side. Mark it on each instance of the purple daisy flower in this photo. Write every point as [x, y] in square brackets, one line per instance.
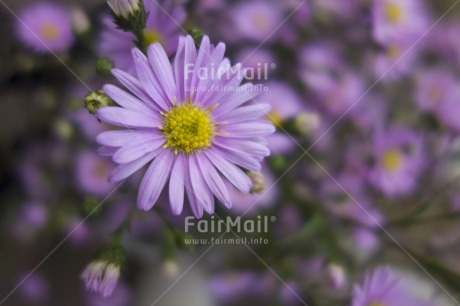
[399, 160]
[398, 18]
[91, 172]
[285, 104]
[163, 26]
[195, 124]
[383, 287]
[257, 20]
[45, 27]
[433, 87]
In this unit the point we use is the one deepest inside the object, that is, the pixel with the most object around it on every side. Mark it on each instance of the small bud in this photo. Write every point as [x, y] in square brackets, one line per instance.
[336, 275]
[129, 15]
[124, 8]
[307, 122]
[102, 274]
[171, 268]
[258, 181]
[197, 35]
[101, 277]
[80, 22]
[104, 66]
[63, 128]
[95, 100]
[91, 206]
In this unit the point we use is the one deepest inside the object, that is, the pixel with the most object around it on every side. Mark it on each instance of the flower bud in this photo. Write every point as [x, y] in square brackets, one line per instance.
[95, 100]
[124, 8]
[101, 277]
[307, 122]
[80, 22]
[104, 66]
[258, 181]
[336, 275]
[102, 274]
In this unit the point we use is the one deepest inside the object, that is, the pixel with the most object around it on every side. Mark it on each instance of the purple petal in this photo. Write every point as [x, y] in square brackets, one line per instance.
[135, 87]
[176, 185]
[154, 180]
[245, 113]
[148, 80]
[137, 149]
[200, 189]
[127, 118]
[252, 147]
[179, 64]
[126, 100]
[162, 69]
[248, 130]
[244, 93]
[214, 181]
[230, 171]
[106, 151]
[121, 138]
[196, 207]
[239, 158]
[125, 170]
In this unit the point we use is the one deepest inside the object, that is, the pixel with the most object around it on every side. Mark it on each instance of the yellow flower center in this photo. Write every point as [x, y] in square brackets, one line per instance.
[261, 22]
[393, 12]
[376, 303]
[393, 51]
[49, 31]
[274, 117]
[188, 128]
[151, 36]
[101, 169]
[392, 159]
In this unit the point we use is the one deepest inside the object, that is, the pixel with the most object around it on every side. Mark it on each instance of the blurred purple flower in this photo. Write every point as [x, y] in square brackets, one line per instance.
[191, 126]
[285, 104]
[398, 161]
[32, 218]
[398, 18]
[45, 27]
[255, 58]
[397, 59]
[366, 240]
[231, 286]
[256, 20]
[163, 26]
[34, 287]
[383, 286]
[251, 203]
[92, 171]
[433, 87]
[121, 296]
[448, 111]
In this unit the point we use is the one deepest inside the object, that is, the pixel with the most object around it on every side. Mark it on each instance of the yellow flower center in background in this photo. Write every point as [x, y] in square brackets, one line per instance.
[393, 12]
[275, 118]
[151, 36]
[392, 159]
[49, 31]
[376, 303]
[393, 51]
[188, 128]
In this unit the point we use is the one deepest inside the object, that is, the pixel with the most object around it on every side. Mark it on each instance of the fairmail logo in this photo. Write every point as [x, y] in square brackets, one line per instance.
[229, 224]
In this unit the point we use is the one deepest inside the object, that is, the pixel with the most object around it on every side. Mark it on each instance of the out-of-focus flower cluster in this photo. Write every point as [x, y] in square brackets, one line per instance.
[121, 121]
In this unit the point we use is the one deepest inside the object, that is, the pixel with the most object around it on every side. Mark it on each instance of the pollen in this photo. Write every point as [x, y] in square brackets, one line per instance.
[392, 159]
[49, 31]
[376, 303]
[188, 128]
[151, 36]
[393, 12]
